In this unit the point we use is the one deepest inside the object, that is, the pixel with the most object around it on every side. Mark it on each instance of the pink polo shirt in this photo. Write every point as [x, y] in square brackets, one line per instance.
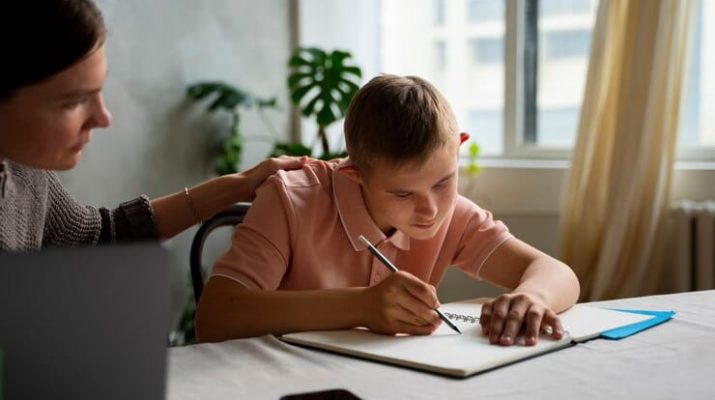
[302, 230]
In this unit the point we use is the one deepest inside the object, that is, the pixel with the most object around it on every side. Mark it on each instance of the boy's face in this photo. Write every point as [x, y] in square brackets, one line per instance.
[413, 198]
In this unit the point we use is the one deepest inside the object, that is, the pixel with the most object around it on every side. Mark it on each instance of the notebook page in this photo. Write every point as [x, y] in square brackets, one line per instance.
[449, 353]
[444, 352]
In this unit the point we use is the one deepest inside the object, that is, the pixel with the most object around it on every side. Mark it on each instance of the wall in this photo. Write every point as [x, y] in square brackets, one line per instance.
[159, 142]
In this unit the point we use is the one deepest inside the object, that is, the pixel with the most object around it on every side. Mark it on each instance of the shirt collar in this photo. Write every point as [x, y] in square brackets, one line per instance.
[354, 216]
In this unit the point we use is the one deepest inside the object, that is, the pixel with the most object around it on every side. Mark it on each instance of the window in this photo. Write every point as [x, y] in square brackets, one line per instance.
[563, 42]
[551, 8]
[513, 70]
[439, 12]
[488, 127]
[696, 138]
[468, 38]
[474, 42]
[487, 51]
[433, 39]
[555, 126]
[440, 49]
[484, 10]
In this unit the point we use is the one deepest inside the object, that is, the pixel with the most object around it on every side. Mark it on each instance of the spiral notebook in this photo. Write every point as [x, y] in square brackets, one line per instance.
[448, 353]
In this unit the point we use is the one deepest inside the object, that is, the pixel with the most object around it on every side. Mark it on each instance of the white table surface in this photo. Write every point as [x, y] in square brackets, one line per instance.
[675, 360]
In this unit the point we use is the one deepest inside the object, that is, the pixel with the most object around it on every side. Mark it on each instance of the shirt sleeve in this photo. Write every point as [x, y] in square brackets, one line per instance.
[481, 235]
[261, 246]
[133, 220]
[70, 223]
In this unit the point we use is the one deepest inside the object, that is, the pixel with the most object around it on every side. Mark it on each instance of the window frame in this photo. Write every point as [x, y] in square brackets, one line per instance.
[519, 113]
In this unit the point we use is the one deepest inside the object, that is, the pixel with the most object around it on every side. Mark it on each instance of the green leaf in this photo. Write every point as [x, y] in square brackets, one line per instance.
[290, 149]
[330, 156]
[267, 103]
[297, 77]
[318, 55]
[310, 106]
[326, 116]
[353, 70]
[225, 100]
[473, 168]
[329, 74]
[297, 61]
[473, 150]
[298, 94]
[226, 97]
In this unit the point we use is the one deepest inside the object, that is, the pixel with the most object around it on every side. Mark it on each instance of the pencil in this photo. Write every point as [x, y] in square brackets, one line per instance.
[393, 268]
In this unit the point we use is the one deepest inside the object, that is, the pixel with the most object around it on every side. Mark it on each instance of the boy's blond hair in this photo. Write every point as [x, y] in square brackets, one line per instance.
[396, 119]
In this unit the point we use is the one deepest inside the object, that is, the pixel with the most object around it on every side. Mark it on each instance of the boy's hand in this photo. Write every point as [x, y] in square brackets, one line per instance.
[504, 317]
[402, 303]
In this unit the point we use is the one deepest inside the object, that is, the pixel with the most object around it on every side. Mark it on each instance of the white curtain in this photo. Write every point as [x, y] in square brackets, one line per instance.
[619, 182]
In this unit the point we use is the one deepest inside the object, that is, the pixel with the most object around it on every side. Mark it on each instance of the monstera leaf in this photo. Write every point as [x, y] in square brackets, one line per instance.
[322, 84]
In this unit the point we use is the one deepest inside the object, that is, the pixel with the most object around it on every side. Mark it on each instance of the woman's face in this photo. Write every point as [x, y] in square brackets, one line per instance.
[46, 125]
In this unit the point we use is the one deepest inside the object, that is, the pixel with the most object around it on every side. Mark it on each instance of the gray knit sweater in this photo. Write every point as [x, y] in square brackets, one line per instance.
[37, 212]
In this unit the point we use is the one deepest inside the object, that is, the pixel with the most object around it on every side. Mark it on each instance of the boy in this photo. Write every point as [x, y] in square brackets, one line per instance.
[296, 262]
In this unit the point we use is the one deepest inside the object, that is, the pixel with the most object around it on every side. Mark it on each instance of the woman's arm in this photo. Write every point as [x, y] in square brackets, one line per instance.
[176, 212]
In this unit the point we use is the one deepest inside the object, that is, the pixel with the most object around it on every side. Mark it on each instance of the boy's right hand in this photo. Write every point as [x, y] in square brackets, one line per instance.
[402, 303]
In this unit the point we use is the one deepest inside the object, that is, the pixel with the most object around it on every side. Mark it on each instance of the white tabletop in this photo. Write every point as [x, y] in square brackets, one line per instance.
[675, 360]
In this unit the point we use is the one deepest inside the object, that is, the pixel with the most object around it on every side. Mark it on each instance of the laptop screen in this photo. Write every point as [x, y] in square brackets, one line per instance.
[84, 323]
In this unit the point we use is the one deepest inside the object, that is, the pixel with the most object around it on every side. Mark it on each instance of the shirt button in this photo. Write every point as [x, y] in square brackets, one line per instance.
[377, 278]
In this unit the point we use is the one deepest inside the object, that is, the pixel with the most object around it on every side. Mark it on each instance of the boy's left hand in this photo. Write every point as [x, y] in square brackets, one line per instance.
[504, 317]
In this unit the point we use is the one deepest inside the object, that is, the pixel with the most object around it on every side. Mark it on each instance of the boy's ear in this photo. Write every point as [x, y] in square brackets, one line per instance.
[352, 173]
[463, 137]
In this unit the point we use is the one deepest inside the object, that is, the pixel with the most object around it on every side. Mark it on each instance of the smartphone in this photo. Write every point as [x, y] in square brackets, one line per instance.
[332, 394]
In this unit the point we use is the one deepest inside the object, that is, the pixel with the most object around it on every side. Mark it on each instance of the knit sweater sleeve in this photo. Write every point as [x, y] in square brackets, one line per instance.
[69, 223]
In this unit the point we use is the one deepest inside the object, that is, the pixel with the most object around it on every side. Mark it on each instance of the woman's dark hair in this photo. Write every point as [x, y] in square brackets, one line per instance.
[39, 38]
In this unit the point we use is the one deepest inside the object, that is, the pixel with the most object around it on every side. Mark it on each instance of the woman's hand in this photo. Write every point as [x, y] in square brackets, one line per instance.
[402, 303]
[504, 317]
[255, 176]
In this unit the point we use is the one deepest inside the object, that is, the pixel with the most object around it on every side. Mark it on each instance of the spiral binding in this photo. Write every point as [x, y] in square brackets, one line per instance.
[464, 318]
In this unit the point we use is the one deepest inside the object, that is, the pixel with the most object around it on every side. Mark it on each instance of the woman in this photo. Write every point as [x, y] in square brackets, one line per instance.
[50, 100]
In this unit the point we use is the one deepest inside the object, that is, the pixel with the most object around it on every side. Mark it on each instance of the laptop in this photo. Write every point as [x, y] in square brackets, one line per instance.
[84, 323]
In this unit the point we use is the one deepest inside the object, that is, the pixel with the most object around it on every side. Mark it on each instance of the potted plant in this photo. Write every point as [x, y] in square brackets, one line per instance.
[230, 99]
[321, 86]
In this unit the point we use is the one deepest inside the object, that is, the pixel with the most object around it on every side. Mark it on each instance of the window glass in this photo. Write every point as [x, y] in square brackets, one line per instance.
[462, 56]
[564, 42]
[697, 124]
[486, 128]
[487, 51]
[484, 10]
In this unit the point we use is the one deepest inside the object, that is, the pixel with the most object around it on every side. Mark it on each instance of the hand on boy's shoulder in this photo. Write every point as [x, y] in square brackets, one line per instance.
[313, 172]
